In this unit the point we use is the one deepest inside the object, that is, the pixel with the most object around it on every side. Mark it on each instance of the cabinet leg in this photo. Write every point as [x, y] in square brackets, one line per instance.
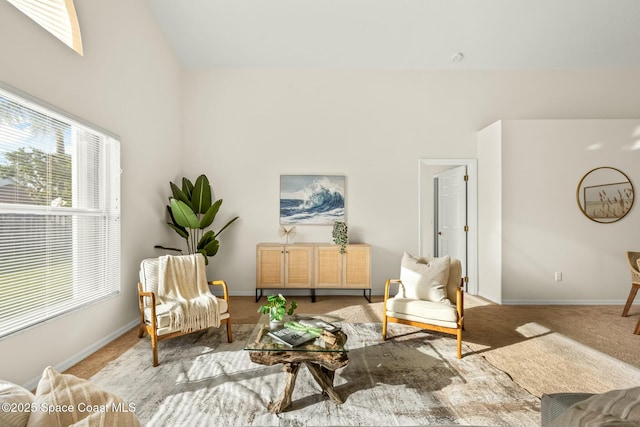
[313, 295]
[364, 293]
[258, 297]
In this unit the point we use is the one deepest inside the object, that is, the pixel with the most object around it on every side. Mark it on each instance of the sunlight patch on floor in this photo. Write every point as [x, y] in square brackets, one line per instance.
[532, 329]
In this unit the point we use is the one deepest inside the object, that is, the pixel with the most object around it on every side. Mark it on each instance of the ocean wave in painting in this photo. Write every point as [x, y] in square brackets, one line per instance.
[320, 202]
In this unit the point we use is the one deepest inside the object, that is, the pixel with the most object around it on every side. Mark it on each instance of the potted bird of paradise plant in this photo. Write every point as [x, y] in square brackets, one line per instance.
[191, 211]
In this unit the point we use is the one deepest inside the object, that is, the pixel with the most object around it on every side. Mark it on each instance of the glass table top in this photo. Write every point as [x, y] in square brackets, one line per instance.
[259, 340]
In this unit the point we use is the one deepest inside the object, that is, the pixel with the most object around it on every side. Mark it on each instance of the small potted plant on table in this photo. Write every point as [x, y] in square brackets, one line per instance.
[276, 308]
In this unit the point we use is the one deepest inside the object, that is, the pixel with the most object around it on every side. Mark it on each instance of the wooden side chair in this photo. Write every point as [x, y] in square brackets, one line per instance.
[632, 260]
[155, 317]
[440, 310]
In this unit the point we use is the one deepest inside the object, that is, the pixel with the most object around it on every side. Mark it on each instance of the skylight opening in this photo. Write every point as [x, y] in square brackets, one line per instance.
[56, 16]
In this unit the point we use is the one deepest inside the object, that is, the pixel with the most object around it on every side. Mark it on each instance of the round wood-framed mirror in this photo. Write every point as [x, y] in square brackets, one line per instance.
[605, 194]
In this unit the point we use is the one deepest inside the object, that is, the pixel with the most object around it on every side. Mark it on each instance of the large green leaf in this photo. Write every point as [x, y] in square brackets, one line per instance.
[187, 187]
[174, 225]
[208, 244]
[226, 225]
[210, 214]
[206, 238]
[212, 248]
[168, 248]
[180, 230]
[173, 220]
[201, 196]
[178, 194]
[183, 214]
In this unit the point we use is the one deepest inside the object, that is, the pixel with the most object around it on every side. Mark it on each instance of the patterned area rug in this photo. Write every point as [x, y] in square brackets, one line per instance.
[412, 379]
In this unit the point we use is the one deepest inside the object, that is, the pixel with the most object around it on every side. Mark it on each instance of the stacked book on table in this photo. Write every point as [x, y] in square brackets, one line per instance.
[301, 330]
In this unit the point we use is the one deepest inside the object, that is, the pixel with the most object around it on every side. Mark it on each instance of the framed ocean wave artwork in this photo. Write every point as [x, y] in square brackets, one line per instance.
[312, 199]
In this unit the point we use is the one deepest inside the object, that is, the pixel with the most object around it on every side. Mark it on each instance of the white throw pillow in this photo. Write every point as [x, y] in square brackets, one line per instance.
[75, 401]
[19, 400]
[424, 278]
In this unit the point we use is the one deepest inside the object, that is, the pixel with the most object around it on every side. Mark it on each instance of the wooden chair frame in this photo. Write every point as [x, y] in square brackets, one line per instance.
[632, 260]
[457, 331]
[152, 327]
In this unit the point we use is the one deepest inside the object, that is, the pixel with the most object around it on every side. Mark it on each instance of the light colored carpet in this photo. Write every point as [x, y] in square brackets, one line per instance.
[546, 349]
[556, 349]
[413, 379]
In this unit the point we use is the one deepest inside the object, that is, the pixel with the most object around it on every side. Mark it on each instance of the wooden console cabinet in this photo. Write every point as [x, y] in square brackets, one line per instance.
[312, 266]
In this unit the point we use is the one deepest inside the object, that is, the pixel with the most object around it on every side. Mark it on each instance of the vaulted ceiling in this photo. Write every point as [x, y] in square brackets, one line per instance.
[402, 34]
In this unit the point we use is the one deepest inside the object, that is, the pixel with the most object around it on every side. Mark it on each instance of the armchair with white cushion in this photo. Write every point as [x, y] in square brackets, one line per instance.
[430, 296]
[157, 315]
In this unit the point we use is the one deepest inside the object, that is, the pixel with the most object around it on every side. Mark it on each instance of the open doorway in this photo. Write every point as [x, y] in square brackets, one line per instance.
[448, 219]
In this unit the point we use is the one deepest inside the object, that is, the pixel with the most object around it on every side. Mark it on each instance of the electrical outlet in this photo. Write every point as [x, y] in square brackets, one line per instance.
[558, 276]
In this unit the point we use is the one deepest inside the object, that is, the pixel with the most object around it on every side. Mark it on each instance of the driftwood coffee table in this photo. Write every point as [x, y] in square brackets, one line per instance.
[322, 357]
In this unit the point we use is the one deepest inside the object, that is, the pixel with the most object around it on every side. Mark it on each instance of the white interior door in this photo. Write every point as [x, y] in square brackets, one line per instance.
[427, 238]
[451, 215]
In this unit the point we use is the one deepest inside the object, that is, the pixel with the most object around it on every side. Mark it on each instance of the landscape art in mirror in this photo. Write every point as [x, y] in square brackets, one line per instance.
[605, 194]
[311, 199]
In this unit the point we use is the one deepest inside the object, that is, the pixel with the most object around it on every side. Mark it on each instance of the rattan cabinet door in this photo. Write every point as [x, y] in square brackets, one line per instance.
[328, 266]
[357, 267]
[298, 266]
[351, 270]
[269, 266]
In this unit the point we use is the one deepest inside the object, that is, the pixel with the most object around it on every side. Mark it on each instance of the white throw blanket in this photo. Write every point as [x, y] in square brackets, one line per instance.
[620, 408]
[183, 283]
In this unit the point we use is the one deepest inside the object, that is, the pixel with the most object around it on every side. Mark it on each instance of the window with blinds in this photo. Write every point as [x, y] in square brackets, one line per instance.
[59, 212]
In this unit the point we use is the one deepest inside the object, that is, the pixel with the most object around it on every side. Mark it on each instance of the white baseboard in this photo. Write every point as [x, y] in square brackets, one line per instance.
[561, 302]
[66, 364]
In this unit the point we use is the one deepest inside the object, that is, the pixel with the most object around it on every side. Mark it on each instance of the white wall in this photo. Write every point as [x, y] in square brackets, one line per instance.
[245, 128]
[543, 230]
[129, 83]
[590, 255]
[490, 178]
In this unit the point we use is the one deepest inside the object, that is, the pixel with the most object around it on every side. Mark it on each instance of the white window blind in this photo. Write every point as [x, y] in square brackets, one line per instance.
[59, 212]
